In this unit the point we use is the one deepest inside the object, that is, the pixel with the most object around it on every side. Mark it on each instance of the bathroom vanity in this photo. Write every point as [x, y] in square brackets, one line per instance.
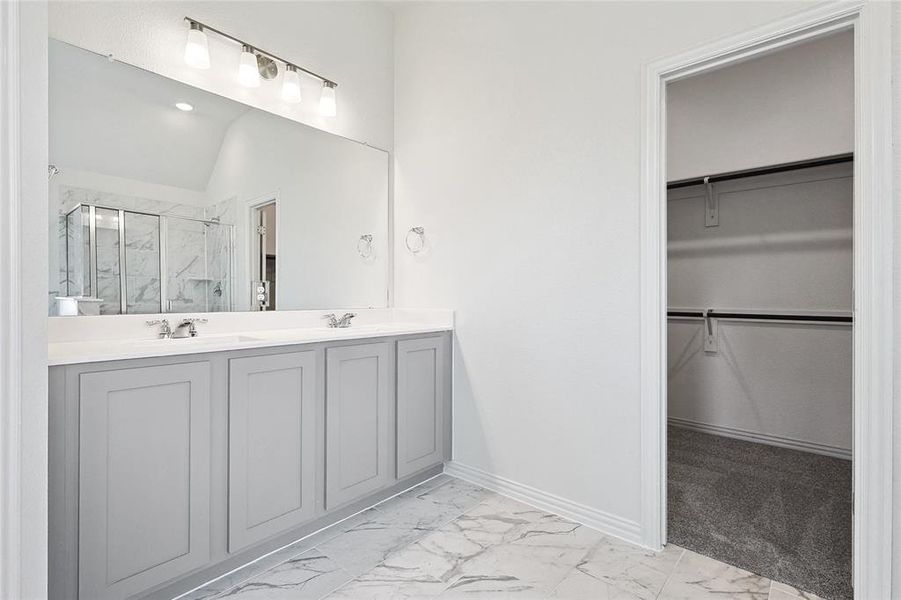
[169, 470]
[174, 461]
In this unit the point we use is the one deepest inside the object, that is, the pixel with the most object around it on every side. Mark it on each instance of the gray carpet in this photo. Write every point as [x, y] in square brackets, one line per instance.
[779, 513]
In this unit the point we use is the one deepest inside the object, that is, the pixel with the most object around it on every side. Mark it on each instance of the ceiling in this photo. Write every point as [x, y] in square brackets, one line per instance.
[115, 119]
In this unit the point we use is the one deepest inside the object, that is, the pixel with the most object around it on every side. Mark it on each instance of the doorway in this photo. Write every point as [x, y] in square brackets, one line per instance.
[872, 277]
[264, 259]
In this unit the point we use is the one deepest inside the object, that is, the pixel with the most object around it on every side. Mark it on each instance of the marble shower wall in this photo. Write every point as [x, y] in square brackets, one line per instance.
[220, 244]
[199, 255]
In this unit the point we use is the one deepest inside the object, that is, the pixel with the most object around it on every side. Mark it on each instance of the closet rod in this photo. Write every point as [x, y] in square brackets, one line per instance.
[781, 168]
[759, 316]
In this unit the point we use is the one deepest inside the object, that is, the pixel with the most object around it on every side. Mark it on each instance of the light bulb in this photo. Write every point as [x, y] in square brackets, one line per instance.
[197, 52]
[328, 102]
[291, 85]
[248, 71]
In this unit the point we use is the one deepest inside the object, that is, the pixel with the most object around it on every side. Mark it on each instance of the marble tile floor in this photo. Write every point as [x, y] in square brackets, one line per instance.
[447, 539]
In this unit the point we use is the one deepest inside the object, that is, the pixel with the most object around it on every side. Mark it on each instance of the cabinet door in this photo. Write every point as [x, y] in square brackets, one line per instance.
[420, 404]
[144, 467]
[271, 445]
[357, 421]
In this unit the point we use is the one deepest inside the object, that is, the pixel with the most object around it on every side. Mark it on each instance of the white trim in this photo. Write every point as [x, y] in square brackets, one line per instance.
[10, 306]
[761, 438]
[624, 529]
[873, 246]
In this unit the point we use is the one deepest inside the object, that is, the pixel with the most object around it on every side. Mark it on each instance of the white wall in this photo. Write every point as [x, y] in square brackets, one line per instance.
[329, 190]
[348, 42]
[517, 148]
[788, 106]
[783, 243]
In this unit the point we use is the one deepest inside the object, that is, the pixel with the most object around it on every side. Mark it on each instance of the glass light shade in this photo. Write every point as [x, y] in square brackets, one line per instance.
[291, 85]
[248, 71]
[197, 52]
[328, 101]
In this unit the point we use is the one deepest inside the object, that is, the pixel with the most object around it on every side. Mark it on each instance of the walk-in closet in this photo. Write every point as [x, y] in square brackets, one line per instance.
[760, 211]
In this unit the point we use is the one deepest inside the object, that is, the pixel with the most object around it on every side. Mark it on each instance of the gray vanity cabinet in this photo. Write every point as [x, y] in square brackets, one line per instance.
[420, 404]
[168, 472]
[358, 404]
[144, 470]
[271, 445]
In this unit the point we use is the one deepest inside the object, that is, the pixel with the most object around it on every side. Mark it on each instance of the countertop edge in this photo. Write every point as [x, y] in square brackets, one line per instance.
[139, 353]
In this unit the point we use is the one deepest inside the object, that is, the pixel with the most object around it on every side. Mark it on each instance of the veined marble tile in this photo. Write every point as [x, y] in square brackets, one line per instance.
[578, 585]
[441, 554]
[434, 507]
[698, 577]
[387, 582]
[629, 567]
[537, 554]
[366, 544]
[491, 586]
[783, 591]
[310, 575]
[265, 563]
[498, 548]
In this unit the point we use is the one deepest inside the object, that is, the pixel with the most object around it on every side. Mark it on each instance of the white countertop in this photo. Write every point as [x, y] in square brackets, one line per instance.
[88, 351]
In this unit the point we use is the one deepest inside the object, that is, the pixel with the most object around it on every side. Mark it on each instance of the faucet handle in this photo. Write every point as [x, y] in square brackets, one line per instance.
[165, 330]
[332, 319]
[345, 320]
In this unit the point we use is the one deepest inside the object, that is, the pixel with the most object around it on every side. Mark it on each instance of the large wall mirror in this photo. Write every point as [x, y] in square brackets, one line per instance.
[167, 198]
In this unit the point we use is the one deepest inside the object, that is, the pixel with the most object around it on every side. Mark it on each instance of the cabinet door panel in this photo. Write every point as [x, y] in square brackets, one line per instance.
[272, 445]
[357, 421]
[420, 404]
[144, 466]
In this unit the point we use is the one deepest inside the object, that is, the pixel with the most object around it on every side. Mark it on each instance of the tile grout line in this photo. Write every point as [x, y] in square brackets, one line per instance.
[671, 573]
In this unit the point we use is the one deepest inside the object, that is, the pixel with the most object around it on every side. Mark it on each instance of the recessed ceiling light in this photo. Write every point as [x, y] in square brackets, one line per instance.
[184, 106]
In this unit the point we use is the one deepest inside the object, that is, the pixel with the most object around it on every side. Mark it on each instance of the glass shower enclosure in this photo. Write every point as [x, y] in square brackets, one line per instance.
[137, 262]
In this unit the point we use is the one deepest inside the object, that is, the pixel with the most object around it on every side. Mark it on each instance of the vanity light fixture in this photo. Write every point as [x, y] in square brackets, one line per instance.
[248, 69]
[197, 52]
[291, 85]
[255, 63]
[184, 106]
[328, 103]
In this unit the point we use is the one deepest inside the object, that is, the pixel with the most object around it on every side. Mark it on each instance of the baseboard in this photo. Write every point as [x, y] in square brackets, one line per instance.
[613, 525]
[761, 438]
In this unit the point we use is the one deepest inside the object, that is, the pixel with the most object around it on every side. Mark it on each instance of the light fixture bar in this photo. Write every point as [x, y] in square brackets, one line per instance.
[260, 51]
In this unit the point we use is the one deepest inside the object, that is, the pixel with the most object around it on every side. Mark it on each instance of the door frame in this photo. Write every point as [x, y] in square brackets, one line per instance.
[249, 207]
[873, 287]
[24, 223]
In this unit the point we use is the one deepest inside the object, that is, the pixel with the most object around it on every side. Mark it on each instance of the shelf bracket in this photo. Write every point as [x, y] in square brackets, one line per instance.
[710, 333]
[711, 205]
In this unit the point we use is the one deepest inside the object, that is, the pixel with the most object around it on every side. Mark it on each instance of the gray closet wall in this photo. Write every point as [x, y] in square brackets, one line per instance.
[783, 242]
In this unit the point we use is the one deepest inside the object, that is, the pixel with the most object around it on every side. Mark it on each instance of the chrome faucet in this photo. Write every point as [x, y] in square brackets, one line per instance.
[188, 328]
[341, 323]
[165, 331]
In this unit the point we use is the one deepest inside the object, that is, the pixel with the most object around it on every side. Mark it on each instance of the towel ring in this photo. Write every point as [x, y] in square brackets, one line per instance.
[364, 245]
[415, 239]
